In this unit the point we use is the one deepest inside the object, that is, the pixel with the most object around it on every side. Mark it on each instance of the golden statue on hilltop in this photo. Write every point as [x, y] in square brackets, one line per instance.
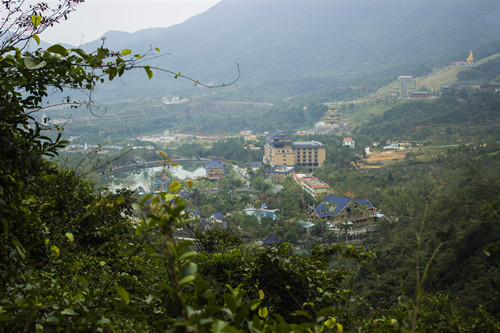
[470, 59]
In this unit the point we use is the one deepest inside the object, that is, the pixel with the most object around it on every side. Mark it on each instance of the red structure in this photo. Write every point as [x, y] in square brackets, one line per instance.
[423, 93]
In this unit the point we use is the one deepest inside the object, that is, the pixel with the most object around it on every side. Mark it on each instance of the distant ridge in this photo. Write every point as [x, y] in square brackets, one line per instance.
[298, 47]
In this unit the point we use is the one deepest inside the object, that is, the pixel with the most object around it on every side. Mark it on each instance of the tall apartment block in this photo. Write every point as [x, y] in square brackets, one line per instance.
[281, 150]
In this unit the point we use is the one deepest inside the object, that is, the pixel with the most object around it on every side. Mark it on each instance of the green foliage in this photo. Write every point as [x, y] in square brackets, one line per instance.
[462, 118]
[480, 74]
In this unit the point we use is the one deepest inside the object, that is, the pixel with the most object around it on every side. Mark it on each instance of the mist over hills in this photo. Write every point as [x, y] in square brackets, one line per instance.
[286, 48]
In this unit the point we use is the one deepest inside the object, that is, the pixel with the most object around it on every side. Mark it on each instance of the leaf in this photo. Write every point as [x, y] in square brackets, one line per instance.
[37, 39]
[187, 255]
[68, 312]
[186, 279]
[149, 72]
[58, 49]
[307, 304]
[19, 247]
[80, 52]
[125, 52]
[120, 200]
[70, 237]
[301, 313]
[103, 321]
[32, 63]
[38, 328]
[157, 49]
[36, 20]
[56, 250]
[255, 306]
[175, 186]
[190, 269]
[263, 312]
[123, 294]
[261, 294]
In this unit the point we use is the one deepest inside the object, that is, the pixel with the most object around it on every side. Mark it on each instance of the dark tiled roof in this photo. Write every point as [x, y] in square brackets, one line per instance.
[365, 203]
[272, 134]
[213, 164]
[217, 215]
[271, 239]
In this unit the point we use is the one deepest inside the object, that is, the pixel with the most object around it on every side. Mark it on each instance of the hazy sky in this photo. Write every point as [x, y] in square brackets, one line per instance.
[95, 17]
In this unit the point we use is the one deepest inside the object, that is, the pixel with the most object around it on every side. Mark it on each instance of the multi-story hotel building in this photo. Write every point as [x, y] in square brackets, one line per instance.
[281, 150]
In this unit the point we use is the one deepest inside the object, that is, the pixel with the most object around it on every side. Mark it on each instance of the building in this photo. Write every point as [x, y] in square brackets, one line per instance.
[333, 116]
[309, 154]
[495, 85]
[338, 209]
[261, 212]
[281, 150]
[215, 170]
[311, 185]
[348, 142]
[280, 172]
[218, 218]
[160, 183]
[421, 93]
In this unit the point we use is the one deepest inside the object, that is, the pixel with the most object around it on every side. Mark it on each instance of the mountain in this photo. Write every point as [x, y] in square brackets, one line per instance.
[287, 47]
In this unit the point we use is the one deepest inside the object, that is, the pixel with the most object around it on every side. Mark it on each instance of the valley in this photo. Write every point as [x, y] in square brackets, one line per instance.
[345, 180]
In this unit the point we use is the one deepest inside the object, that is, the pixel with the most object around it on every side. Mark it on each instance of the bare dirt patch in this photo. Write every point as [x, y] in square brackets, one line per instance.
[376, 160]
[385, 156]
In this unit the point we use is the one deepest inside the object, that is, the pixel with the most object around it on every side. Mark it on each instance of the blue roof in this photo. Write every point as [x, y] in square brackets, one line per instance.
[270, 137]
[213, 164]
[322, 211]
[341, 203]
[217, 215]
[273, 133]
[365, 203]
[271, 240]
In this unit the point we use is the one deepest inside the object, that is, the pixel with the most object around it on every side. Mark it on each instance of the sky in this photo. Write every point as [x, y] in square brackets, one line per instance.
[93, 18]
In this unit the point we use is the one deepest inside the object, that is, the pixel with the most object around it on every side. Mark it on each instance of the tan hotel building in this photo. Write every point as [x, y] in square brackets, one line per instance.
[281, 150]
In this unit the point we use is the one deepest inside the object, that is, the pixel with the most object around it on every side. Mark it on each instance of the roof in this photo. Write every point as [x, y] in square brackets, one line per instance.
[271, 239]
[213, 164]
[421, 92]
[339, 202]
[308, 144]
[366, 203]
[348, 139]
[282, 169]
[217, 215]
[273, 133]
[315, 182]
[271, 137]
